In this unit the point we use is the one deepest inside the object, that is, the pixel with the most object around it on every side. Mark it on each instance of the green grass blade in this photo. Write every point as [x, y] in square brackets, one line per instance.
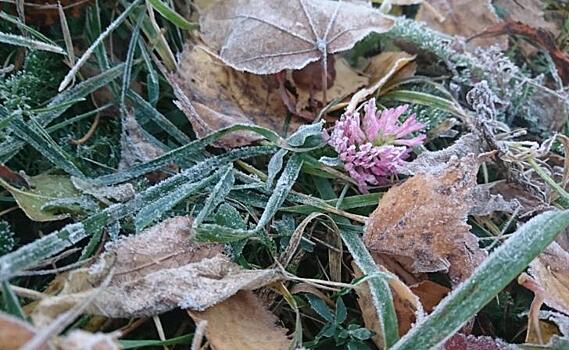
[499, 269]
[155, 210]
[43, 143]
[17, 40]
[218, 193]
[73, 71]
[171, 15]
[11, 301]
[136, 344]
[129, 59]
[154, 115]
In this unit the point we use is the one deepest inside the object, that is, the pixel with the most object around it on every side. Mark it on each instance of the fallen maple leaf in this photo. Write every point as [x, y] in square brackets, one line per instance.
[223, 97]
[242, 323]
[268, 36]
[460, 341]
[424, 219]
[153, 272]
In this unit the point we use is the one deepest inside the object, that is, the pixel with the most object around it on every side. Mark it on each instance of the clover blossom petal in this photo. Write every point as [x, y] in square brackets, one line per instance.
[375, 146]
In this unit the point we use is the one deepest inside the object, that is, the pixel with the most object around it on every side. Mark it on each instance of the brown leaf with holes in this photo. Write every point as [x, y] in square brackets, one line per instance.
[268, 36]
[223, 97]
[424, 219]
[242, 323]
[152, 272]
[465, 18]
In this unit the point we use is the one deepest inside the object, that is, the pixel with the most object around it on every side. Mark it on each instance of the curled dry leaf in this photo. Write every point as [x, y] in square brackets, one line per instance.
[465, 18]
[408, 307]
[381, 69]
[425, 219]
[347, 82]
[268, 36]
[242, 323]
[15, 333]
[223, 96]
[155, 271]
[551, 271]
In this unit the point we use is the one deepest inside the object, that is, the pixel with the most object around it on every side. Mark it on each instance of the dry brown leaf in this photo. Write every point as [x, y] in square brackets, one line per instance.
[465, 18]
[242, 323]
[381, 69]
[425, 219]
[551, 271]
[347, 82]
[80, 340]
[15, 333]
[430, 293]
[268, 36]
[460, 341]
[530, 12]
[408, 307]
[154, 271]
[223, 97]
[432, 162]
[135, 147]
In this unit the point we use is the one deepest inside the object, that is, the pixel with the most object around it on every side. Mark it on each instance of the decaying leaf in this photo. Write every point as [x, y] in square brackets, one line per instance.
[44, 189]
[465, 18]
[432, 162]
[381, 69]
[408, 307]
[153, 272]
[425, 219]
[530, 203]
[460, 341]
[429, 293]
[551, 271]
[15, 333]
[530, 12]
[242, 323]
[135, 146]
[347, 82]
[268, 36]
[223, 96]
[118, 193]
[80, 340]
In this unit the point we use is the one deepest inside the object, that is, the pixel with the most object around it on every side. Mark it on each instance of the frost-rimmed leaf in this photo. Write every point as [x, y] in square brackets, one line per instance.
[153, 272]
[499, 269]
[268, 36]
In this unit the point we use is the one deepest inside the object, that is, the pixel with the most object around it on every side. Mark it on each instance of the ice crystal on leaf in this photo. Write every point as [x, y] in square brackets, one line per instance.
[376, 145]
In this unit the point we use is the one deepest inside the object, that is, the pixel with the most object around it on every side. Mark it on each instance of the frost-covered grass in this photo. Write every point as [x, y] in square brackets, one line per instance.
[63, 115]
